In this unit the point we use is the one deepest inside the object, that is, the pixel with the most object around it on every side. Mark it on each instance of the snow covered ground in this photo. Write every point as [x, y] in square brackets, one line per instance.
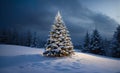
[19, 59]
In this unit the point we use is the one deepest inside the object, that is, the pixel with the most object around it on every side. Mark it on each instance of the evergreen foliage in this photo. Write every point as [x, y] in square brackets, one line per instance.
[115, 44]
[96, 43]
[59, 42]
[86, 43]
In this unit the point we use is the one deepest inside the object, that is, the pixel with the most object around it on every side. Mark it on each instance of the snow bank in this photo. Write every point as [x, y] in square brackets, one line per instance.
[19, 59]
[10, 50]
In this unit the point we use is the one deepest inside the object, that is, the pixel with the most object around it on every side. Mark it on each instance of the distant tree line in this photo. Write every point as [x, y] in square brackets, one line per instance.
[95, 44]
[14, 37]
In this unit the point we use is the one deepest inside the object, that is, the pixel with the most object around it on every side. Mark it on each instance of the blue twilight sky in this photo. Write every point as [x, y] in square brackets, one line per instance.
[79, 16]
[110, 8]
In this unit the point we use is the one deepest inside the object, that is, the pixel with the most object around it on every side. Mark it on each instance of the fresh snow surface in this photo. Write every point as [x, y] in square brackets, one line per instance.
[19, 59]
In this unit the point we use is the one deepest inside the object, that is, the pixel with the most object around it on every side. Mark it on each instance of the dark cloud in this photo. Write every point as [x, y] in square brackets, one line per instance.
[38, 15]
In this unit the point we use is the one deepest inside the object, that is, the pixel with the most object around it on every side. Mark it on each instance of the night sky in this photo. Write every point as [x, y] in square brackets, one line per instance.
[79, 16]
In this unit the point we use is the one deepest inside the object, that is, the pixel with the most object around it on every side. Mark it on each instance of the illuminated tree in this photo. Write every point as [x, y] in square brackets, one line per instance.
[59, 42]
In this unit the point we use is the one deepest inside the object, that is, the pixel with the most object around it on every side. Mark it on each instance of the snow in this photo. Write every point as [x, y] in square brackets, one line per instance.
[19, 59]
[8, 50]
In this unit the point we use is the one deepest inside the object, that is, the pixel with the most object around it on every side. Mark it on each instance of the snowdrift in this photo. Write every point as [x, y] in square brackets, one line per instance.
[19, 59]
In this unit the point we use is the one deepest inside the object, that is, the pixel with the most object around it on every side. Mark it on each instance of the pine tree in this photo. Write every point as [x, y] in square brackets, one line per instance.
[59, 43]
[28, 39]
[106, 47]
[34, 40]
[86, 43]
[3, 36]
[95, 45]
[116, 43]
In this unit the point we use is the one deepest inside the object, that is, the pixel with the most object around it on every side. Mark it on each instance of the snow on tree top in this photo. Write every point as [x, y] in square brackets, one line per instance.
[58, 16]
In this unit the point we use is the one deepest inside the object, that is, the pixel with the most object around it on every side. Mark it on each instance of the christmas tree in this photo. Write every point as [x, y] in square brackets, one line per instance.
[59, 43]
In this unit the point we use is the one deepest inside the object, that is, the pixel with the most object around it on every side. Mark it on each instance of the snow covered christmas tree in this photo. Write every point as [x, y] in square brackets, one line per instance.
[59, 44]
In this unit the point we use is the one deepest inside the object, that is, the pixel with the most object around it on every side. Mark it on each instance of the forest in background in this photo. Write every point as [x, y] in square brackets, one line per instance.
[93, 43]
